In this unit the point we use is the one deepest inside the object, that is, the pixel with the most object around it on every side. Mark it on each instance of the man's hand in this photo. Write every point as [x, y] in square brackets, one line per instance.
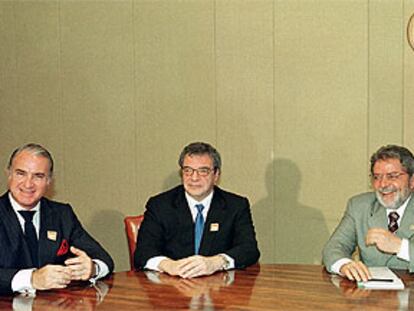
[193, 266]
[384, 240]
[51, 276]
[355, 271]
[81, 267]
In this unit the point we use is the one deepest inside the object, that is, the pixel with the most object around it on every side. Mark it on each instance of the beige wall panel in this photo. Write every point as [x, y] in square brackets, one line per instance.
[174, 83]
[99, 137]
[408, 119]
[244, 48]
[386, 37]
[320, 120]
[34, 110]
[8, 85]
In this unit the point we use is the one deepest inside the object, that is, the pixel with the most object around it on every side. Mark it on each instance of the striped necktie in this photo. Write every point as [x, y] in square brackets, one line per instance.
[393, 224]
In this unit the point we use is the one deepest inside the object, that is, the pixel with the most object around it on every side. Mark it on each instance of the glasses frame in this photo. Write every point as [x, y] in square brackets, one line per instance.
[393, 176]
[201, 171]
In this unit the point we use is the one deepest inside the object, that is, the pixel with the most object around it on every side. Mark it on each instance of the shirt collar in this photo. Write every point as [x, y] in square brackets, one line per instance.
[206, 201]
[17, 207]
[400, 210]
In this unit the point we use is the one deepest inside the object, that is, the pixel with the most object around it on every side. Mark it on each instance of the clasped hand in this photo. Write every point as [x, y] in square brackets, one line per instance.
[192, 266]
[384, 240]
[80, 267]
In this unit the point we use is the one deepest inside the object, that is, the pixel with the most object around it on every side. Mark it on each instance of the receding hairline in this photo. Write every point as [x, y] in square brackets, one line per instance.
[35, 150]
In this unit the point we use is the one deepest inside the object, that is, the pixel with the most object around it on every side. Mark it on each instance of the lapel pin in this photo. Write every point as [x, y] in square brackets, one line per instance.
[214, 227]
[412, 227]
[52, 235]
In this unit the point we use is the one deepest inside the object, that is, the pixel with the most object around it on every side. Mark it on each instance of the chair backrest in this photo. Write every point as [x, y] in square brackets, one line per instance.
[132, 224]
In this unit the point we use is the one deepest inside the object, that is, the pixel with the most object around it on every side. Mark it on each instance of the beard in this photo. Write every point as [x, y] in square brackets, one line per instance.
[399, 198]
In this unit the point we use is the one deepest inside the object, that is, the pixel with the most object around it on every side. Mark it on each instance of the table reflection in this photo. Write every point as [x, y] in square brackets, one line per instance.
[83, 296]
[394, 299]
[202, 293]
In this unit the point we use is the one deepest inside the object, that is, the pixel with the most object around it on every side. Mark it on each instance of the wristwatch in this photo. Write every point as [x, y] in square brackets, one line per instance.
[226, 263]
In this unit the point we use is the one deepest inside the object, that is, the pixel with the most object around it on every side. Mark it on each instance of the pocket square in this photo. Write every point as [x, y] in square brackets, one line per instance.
[64, 248]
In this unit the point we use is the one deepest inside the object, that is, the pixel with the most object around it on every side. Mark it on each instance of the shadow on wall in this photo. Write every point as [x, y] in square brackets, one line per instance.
[107, 227]
[299, 231]
[171, 181]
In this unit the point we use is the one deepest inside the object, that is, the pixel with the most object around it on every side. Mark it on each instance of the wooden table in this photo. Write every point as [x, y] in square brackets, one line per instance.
[264, 287]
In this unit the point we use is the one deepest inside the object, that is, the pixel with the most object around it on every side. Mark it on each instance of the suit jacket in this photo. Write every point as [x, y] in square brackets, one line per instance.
[53, 249]
[362, 213]
[168, 229]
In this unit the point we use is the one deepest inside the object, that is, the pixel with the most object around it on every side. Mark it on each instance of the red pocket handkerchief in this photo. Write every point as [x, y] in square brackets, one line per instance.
[64, 248]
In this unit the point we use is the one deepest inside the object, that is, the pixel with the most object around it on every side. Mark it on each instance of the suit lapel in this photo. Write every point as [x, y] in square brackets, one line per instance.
[48, 244]
[406, 229]
[14, 229]
[185, 221]
[213, 222]
[378, 219]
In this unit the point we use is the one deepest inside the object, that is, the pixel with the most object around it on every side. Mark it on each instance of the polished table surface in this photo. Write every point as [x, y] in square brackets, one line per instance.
[264, 287]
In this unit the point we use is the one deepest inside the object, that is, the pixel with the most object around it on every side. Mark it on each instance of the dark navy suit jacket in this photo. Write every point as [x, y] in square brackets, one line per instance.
[168, 229]
[59, 229]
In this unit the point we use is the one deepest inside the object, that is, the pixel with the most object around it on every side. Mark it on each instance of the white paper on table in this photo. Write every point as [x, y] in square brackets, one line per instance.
[382, 273]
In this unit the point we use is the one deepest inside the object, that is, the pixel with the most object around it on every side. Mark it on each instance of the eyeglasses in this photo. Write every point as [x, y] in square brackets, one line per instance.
[390, 176]
[201, 171]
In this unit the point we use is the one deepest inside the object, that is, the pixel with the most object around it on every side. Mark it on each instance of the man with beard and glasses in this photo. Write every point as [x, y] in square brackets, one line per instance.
[381, 223]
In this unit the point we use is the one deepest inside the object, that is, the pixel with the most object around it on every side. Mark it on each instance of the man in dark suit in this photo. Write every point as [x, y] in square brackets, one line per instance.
[43, 245]
[197, 228]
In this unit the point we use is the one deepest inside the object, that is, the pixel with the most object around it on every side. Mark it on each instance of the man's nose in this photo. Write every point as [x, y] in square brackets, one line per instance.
[384, 182]
[28, 182]
[195, 175]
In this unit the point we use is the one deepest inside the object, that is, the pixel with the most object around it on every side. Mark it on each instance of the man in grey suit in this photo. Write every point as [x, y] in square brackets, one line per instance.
[380, 223]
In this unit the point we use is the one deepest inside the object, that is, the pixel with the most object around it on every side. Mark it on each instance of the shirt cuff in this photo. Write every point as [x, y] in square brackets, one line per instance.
[101, 270]
[404, 252]
[338, 264]
[152, 263]
[230, 261]
[22, 281]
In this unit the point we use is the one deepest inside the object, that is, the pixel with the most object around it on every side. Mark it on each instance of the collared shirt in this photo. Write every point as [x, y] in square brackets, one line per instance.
[404, 252]
[152, 263]
[21, 281]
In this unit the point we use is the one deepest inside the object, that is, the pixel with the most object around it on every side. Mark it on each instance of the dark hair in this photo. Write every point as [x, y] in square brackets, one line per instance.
[394, 152]
[200, 148]
[34, 149]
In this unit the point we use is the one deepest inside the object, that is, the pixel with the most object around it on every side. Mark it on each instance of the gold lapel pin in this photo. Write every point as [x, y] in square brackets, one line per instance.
[214, 227]
[52, 235]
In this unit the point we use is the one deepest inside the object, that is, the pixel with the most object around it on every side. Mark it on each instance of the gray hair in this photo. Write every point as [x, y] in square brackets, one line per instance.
[200, 148]
[404, 155]
[36, 150]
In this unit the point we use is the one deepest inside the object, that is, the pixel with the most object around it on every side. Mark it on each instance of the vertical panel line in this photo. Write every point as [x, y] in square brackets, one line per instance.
[403, 27]
[135, 105]
[215, 69]
[272, 194]
[368, 88]
[60, 99]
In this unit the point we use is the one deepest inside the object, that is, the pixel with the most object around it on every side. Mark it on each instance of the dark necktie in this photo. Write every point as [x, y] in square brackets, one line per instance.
[199, 227]
[393, 224]
[31, 236]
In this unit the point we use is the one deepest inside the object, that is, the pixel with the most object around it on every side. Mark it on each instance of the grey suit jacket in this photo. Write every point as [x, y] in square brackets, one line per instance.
[362, 213]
